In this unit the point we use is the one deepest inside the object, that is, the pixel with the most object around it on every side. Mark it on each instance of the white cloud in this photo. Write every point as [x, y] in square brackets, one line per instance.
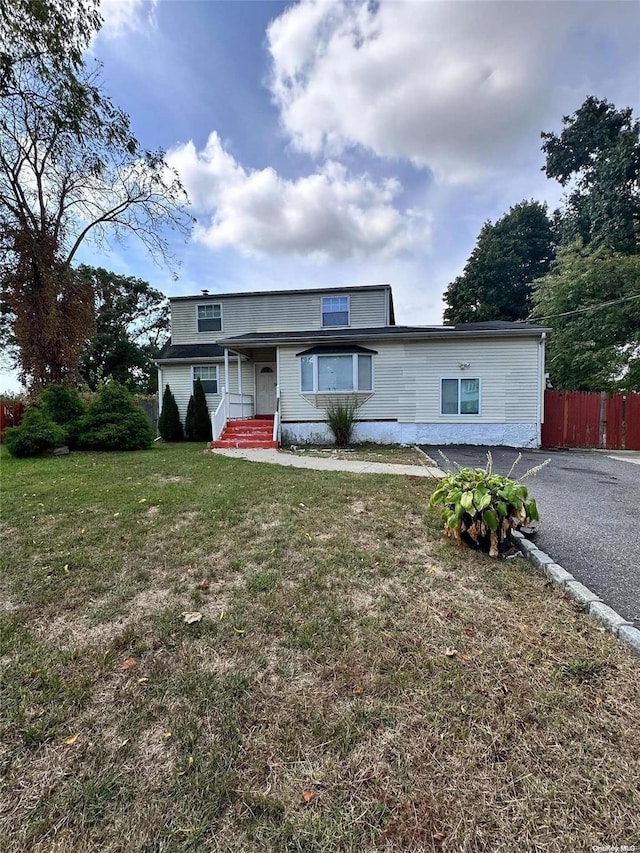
[450, 86]
[327, 214]
[121, 17]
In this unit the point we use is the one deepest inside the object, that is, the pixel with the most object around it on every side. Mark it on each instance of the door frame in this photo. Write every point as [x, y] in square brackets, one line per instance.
[256, 373]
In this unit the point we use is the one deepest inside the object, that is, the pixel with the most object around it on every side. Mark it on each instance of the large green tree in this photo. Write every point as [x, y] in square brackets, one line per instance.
[591, 300]
[508, 256]
[132, 323]
[70, 171]
[597, 158]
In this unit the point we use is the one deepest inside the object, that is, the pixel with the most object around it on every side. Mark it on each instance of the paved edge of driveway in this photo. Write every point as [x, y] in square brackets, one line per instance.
[591, 603]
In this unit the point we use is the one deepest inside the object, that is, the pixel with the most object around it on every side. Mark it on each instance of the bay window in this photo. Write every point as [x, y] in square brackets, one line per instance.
[336, 373]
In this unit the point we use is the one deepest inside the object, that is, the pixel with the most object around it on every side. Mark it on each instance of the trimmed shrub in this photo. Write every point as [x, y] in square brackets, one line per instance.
[341, 417]
[169, 423]
[481, 508]
[188, 421]
[201, 423]
[114, 422]
[64, 406]
[36, 434]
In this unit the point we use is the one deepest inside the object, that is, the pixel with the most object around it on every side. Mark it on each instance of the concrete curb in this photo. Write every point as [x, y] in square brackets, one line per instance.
[593, 606]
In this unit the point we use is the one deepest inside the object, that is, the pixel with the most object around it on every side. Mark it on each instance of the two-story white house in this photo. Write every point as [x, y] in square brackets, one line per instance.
[281, 356]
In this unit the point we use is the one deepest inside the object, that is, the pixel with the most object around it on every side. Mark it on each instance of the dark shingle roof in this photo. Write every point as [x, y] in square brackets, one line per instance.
[190, 351]
[498, 328]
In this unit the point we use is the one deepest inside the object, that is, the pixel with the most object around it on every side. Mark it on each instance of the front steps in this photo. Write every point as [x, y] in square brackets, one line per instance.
[257, 432]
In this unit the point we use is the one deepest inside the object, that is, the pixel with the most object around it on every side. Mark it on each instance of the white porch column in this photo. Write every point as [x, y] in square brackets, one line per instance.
[226, 370]
[239, 374]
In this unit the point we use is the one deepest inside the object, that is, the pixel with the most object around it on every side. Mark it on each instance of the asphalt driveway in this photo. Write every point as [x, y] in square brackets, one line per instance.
[589, 508]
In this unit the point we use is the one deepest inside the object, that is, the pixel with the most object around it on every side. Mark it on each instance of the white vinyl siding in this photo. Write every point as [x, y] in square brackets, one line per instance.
[272, 313]
[408, 381]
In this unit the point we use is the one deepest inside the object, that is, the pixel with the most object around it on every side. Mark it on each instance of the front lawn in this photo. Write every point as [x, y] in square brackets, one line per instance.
[355, 682]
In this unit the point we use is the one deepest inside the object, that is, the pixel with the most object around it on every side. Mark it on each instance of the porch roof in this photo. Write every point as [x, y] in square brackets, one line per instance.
[190, 352]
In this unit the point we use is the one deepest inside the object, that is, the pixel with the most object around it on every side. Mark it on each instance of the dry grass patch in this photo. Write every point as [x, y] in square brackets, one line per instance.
[396, 454]
[355, 683]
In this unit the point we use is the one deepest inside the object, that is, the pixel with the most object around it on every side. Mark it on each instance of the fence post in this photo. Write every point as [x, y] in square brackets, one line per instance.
[602, 430]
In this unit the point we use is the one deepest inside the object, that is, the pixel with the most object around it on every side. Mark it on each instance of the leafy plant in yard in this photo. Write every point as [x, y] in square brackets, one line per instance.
[169, 423]
[64, 406]
[188, 421]
[36, 434]
[114, 422]
[201, 422]
[341, 417]
[482, 508]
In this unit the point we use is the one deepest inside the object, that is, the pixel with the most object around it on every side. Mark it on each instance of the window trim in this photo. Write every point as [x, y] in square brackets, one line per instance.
[354, 373]
[460, 414]
[217, 380]
[214, 331]
[346, 296]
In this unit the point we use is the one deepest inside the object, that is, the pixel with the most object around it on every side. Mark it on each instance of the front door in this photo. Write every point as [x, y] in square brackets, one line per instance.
[265, 388]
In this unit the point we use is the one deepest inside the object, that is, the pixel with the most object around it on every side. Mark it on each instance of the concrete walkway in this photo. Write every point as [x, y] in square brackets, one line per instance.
[276, 457]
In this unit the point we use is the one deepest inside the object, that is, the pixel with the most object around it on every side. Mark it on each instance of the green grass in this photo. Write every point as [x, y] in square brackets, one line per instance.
[424, 697]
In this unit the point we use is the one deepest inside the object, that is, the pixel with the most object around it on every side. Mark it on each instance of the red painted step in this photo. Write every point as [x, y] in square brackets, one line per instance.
[257, 432]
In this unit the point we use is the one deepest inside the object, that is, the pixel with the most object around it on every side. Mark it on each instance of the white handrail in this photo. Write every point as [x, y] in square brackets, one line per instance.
[220, 417]
[276, 418]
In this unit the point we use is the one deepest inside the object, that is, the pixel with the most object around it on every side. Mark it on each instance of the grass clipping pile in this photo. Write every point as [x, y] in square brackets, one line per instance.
[481, 508]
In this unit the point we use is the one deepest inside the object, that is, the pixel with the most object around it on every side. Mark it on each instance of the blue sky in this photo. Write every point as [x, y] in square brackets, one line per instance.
[341, 143]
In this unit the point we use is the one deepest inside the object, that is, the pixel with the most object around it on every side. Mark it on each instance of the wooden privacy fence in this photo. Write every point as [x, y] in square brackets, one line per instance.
[591, 419]
[11, 412]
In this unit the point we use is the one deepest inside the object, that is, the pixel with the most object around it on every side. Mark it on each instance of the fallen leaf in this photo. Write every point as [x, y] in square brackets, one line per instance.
[468, 631]
[191, 617]
[142, 501]
[438, 836]
[130, 663]
[143, 680]
[188, 767]
[307, 796]
[116, 514]
[598, 700]
[72, 740]
[450, 653]
[204, 584]
[239, 630]
[221, 616]
[166, 735]
[433, 570]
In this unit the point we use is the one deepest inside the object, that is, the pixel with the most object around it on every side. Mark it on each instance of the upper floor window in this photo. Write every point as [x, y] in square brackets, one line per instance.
[335, 310]
[460, 397]
[210, 317]
[208, 375]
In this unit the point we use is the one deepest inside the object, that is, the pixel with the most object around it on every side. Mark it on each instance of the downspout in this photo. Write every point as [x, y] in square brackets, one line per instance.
[160, 390]
[541, 385]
